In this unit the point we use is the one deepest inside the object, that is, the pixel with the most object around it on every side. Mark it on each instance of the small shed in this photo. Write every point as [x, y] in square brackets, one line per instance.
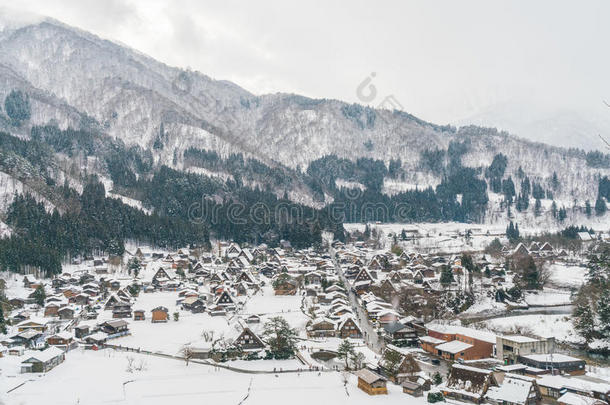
[160, 314]
[412, 388]
[371, 382]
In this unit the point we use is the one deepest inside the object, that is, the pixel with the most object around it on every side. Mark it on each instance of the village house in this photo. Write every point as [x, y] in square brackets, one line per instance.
[81, 331]
[555, 362]
[412, 388]
[225, 300]
[406, 370]
[468, 384]
[321, 327]
[371, 382]
[65, 313]
[555, 386]
[248, 340]
[139, 315]
[42, 361]
[31, 325]
[285, 286]
[509, 348]
[118, 327]
[470, 344]
[30, 338]
[515, 390]
[63, 340]
[400, 335]
[252, 319]
[348, 328]
[429, 343]
[122, 310]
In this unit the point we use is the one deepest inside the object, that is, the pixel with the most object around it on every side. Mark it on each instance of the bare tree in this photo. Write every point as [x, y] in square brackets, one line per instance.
[545, 274]
[207, 335]
[187, 353]
[142, 365]
[130, 364]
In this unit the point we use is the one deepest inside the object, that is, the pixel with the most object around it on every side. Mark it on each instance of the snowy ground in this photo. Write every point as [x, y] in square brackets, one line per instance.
[444, 237]
[170, 337]
[548, 297]
[567, 276]
[558, 326]
[101, 377]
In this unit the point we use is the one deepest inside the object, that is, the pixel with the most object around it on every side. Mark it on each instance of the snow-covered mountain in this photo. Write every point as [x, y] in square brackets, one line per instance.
[76, 79]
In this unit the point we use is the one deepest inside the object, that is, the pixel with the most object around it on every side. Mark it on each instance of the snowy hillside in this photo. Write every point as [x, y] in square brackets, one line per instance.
[75, 79]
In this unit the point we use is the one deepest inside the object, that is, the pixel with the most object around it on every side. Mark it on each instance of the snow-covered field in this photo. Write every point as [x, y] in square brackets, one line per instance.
[567, 276]
[443, 237]
[548, 297]
[101, 377]
[559, 326]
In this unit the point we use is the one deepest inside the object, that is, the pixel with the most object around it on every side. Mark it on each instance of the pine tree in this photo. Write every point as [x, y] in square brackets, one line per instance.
[600, 206]
[345, 351]
[39, 295]
[446, 276]
[537, 207]
[584, 321]
[3, 329]
[588, 208]
[555, 181]
[603, 313]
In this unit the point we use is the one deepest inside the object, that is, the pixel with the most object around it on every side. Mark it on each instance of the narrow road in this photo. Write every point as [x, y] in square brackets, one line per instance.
[370, 337]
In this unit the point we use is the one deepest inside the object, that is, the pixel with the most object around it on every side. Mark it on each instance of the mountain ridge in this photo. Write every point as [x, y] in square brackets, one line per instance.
[76, 79]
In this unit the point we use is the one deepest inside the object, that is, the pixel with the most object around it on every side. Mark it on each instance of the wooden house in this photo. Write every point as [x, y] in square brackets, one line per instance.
[42, 361]
[398, 334]
[285, 286]
[515, 390]
[115, 327]
[31, 325]
[412, 388]
[371, 382]
[321, 327]
[225, 299]
[348, 328]
[160, 314]
[122, 310]
[51, 309]
[139, 315]
[253, 319]
[65, 313]
[248, 340]
[62, 339]
[468, 384]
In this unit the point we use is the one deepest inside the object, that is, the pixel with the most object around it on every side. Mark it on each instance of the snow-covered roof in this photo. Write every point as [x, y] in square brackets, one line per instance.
[569, 398]
[430, 339]
[43, 356]
[551, 358]
[455, 329]
[520, 339]
[513, 390]
[453, 347]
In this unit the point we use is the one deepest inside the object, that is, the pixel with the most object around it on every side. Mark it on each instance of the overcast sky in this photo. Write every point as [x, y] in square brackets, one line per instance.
[443, 60]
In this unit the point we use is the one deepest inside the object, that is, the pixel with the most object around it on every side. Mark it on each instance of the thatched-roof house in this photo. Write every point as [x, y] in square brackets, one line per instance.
[468, 384]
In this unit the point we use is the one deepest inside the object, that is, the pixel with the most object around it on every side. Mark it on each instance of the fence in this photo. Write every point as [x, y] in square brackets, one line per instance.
[213, 364]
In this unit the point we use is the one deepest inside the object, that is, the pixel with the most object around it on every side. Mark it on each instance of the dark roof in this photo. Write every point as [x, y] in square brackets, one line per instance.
[410, 385]
[395, 327]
